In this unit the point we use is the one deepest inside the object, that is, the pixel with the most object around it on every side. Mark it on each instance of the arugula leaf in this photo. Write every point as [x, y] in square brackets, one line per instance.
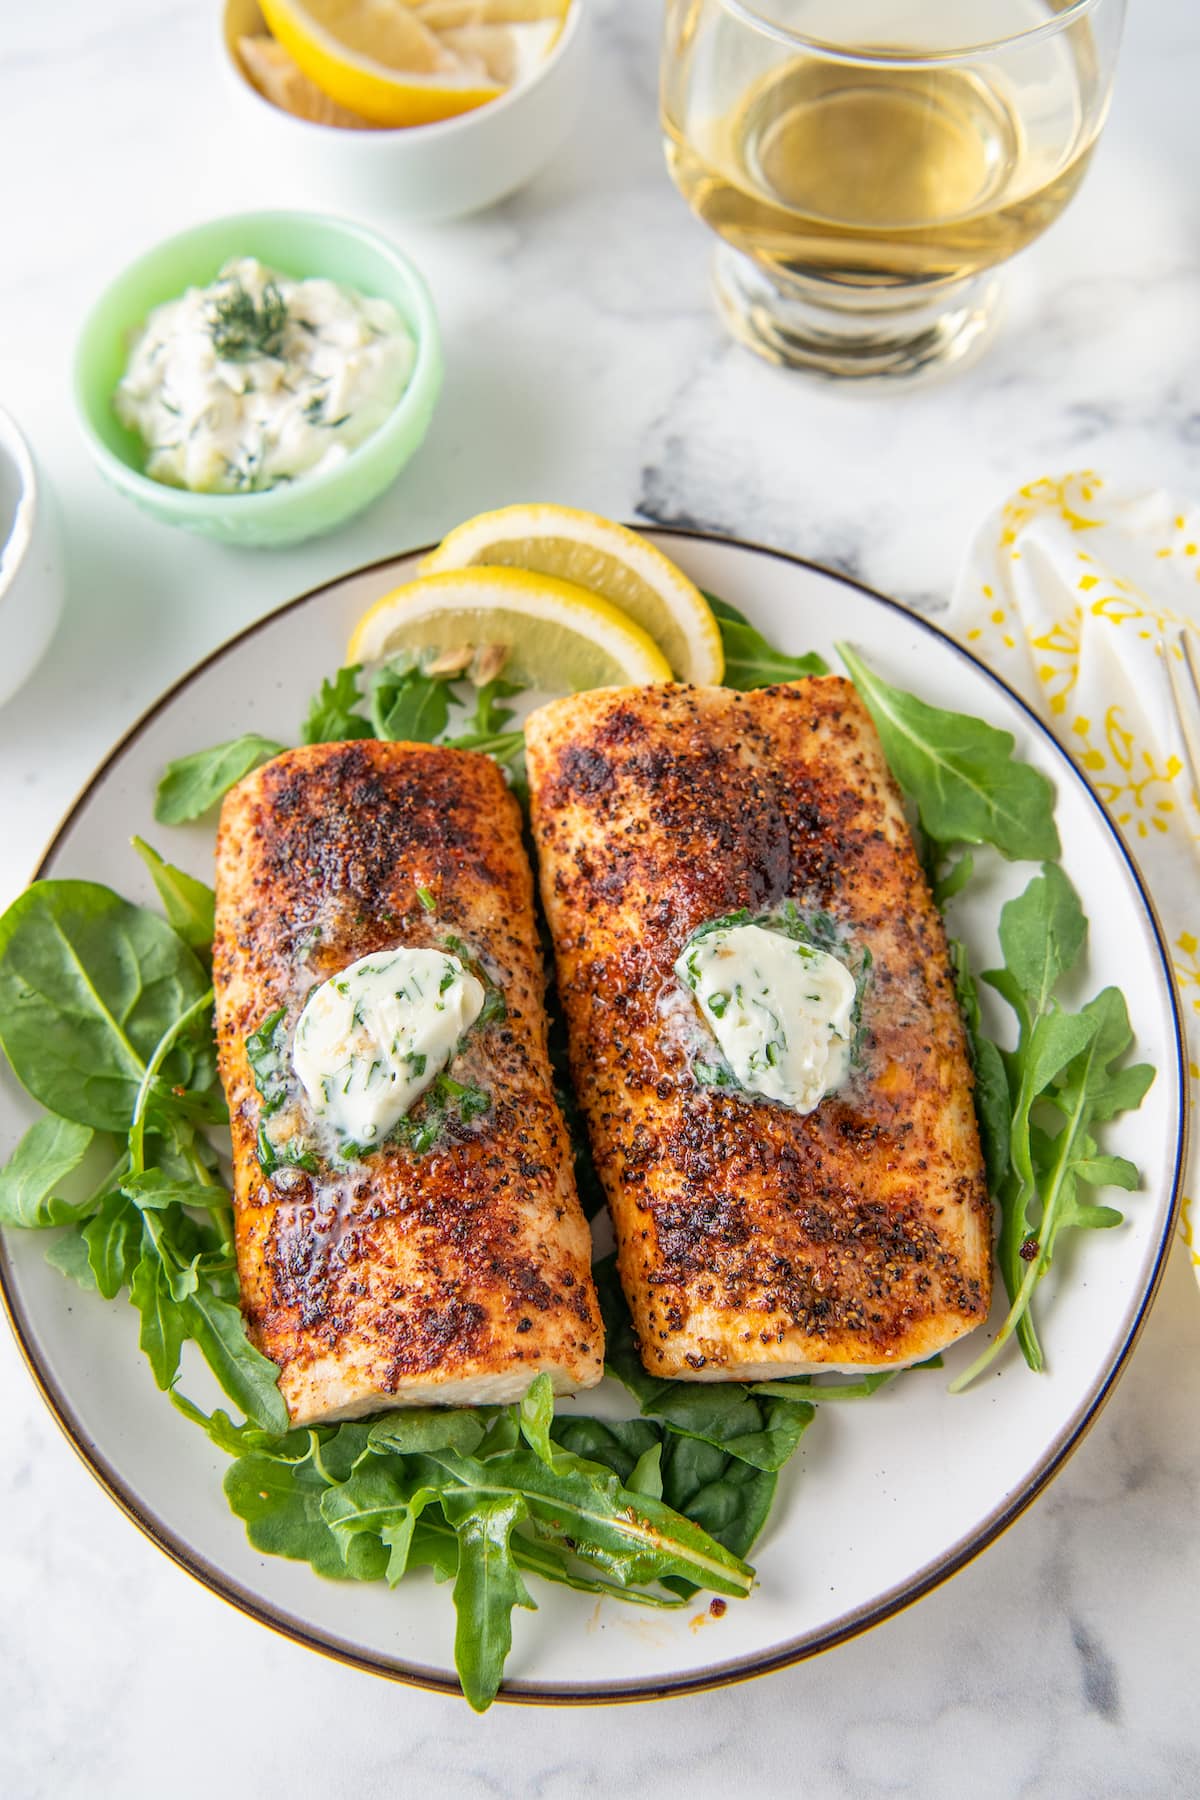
[993, 1103]
[112, 1237]
[1065, 1076]
[584, 1506]
[486, 1589]
[153, 1190]
[490, 717]
[193, 784]
[163, 1327]
[71, 1257]
[1042, 934]
[50, 1150]
[750, 661]
[536, 1416]
[248, 1377]
[190, 905]
[88, 985]
[332, 718]
[408, 706]
[961, 773]
[955, 879]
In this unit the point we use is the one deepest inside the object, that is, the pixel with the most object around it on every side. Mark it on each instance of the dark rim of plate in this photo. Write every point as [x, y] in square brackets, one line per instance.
[742, 1668]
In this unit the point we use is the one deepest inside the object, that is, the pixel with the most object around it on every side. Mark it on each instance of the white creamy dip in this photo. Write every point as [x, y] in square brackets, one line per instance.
[372, 1038]
[781, 1011]
[259, 379]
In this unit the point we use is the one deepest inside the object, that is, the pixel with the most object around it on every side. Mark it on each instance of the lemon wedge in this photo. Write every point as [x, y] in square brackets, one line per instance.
[557, 636]
[612, 562]
[378, 59]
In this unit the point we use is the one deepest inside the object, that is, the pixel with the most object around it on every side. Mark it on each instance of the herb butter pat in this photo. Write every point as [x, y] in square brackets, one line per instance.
[782, 1012]
[372, 1038]
[259, 379]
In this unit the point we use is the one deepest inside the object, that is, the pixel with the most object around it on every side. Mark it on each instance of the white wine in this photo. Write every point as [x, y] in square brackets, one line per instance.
[871, 171]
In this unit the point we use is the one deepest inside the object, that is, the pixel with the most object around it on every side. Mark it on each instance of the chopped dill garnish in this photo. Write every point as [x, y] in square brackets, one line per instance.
[241, 329]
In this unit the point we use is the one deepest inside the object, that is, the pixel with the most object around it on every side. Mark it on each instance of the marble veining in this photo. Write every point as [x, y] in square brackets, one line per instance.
[585, 364]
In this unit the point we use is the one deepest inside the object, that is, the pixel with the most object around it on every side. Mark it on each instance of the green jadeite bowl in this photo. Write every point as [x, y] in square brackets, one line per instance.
[298, 244]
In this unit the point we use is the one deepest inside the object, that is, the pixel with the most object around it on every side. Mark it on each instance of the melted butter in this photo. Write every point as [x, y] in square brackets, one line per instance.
[781, 1011]
[372, 1038]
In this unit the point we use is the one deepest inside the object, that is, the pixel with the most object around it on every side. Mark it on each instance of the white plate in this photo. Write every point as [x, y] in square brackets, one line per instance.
[884, 1499]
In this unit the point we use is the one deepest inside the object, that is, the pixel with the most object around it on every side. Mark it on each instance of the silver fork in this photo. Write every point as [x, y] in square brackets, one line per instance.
[1184, 678]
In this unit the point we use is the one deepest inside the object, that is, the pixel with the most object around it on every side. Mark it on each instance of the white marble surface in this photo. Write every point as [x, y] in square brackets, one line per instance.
[585, 365]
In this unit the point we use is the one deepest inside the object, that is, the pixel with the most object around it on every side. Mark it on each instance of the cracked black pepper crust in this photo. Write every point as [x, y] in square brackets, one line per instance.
[750, 1236]
[406, 1277]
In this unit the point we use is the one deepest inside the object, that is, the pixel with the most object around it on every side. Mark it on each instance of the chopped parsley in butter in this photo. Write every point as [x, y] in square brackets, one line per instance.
[781, 1011]
[372, 1038]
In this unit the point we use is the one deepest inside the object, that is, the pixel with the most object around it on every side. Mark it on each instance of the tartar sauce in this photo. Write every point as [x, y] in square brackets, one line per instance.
[259, 379]
[781, 1012]
[372, 1038]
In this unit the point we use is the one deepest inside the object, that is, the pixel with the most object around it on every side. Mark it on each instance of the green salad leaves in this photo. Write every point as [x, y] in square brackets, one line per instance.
[483, 1497]
[968, 786]
[1038, 1113]
[106, 1018]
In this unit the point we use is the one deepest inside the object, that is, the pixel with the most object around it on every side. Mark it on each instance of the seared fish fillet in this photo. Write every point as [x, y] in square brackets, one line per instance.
[452, 1276]
[755, 1241]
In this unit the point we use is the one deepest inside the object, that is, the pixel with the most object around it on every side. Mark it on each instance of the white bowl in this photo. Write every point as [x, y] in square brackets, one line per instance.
[31, 563]
[419, 172]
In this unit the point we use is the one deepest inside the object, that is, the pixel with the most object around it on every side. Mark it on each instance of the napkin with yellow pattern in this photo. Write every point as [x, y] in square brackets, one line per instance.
[1073, 592]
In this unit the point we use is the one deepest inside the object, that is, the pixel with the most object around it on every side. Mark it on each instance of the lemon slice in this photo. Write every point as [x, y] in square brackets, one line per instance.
[446, 15]
[378, 59]
[610, 561]
[506, 53]
[557, 635]
[281, 81]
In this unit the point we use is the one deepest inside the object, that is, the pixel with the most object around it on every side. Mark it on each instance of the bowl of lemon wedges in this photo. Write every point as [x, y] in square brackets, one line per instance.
[427, 109]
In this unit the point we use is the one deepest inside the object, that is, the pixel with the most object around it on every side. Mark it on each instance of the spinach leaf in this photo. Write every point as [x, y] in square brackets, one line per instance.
[88, 985]
[457, 1491]
[193, 784]
[280, 1504]
[726, 1414]
[729, 1497]
[961, 773]
[620, 1444]
[51, 1149]
[750, 661]
[332, 718]
[189, 904]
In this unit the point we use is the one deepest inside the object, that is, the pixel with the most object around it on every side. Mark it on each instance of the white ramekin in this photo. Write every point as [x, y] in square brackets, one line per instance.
[31, 562]
[421, 172]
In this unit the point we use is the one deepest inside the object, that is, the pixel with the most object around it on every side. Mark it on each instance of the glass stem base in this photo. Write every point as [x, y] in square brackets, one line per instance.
[853, 334]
